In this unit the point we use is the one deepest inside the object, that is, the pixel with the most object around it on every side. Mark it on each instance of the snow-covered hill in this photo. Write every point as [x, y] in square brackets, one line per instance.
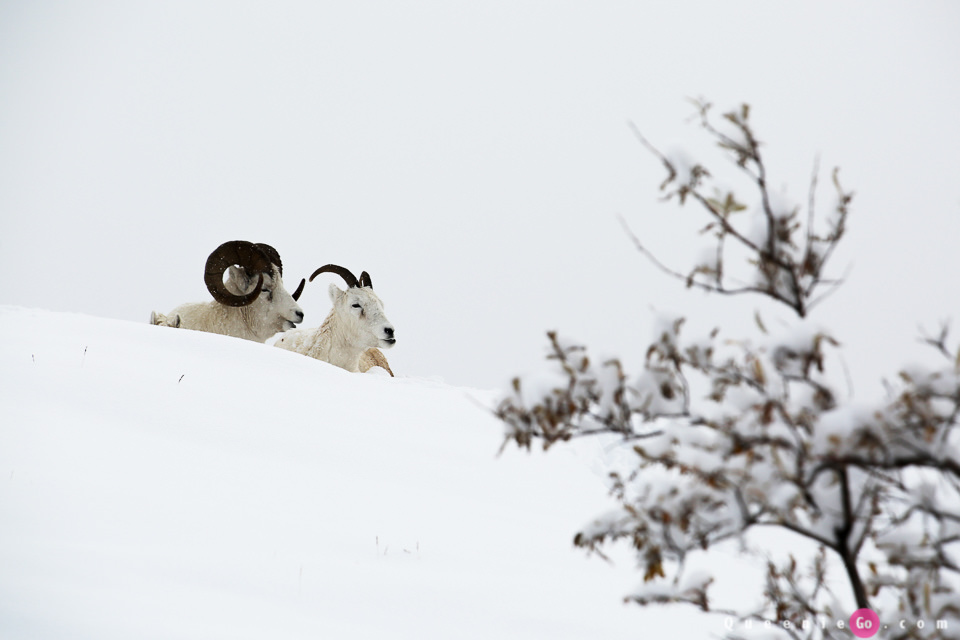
[160, 483]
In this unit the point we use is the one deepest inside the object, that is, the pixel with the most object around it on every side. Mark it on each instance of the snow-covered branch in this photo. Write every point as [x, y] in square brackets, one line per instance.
[736, 435]
[787, 256]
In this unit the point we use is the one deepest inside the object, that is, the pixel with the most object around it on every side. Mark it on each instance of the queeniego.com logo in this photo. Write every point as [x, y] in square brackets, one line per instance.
[864, 623]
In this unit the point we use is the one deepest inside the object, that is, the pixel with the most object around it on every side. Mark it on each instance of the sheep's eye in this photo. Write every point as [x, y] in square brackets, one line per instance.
[356, 306]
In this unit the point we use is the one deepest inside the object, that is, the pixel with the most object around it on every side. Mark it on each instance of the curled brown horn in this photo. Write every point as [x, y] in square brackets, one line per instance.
[296, 294]
[272, 254]
[365, 280]
[235, 252]
[344, 273]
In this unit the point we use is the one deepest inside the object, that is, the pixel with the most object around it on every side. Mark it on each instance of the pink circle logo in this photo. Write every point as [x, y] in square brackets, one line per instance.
[864, 623]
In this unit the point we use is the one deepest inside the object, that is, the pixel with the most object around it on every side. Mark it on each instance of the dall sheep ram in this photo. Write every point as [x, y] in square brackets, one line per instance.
[352, 331]
[250, 302]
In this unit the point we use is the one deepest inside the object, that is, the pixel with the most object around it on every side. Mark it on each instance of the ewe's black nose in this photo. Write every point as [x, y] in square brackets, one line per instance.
[300, 315]
[388, 331]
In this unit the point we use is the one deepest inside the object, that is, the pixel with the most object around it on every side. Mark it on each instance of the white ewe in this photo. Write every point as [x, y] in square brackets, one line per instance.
[250, 303]
[351, 332]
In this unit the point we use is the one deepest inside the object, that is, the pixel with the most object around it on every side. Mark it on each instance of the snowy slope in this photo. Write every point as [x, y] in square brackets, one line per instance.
[161, 483]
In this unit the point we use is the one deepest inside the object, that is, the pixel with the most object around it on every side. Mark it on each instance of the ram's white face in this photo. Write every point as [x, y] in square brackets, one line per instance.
[275, 302]
[362, 312]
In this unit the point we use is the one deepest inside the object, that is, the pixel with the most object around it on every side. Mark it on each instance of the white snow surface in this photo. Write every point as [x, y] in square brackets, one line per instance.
[165, 483]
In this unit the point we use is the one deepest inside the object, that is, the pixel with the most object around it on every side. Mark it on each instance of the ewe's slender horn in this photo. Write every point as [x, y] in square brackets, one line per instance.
[296, 294]
[365, 280]
[235, 252]
[272, 254]
[344, 273]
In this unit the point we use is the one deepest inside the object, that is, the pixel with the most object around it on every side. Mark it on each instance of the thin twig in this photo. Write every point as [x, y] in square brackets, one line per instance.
[667, 270]
[811, 203]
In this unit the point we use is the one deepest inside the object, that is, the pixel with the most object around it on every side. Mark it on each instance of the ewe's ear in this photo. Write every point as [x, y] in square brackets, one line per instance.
[335, 293]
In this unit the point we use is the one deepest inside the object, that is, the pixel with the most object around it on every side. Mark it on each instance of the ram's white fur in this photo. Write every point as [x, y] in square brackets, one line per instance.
[272, 312]
[355, 325]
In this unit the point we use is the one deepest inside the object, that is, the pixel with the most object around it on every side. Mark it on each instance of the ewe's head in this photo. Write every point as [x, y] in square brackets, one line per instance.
[358, 309]
[243, 274]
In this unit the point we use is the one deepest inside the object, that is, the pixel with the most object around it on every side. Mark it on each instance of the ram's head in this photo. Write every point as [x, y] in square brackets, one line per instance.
[359, 310]
[245, 274]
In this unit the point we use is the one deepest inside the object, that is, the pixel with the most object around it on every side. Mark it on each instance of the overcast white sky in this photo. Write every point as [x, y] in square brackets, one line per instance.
[472, 157]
